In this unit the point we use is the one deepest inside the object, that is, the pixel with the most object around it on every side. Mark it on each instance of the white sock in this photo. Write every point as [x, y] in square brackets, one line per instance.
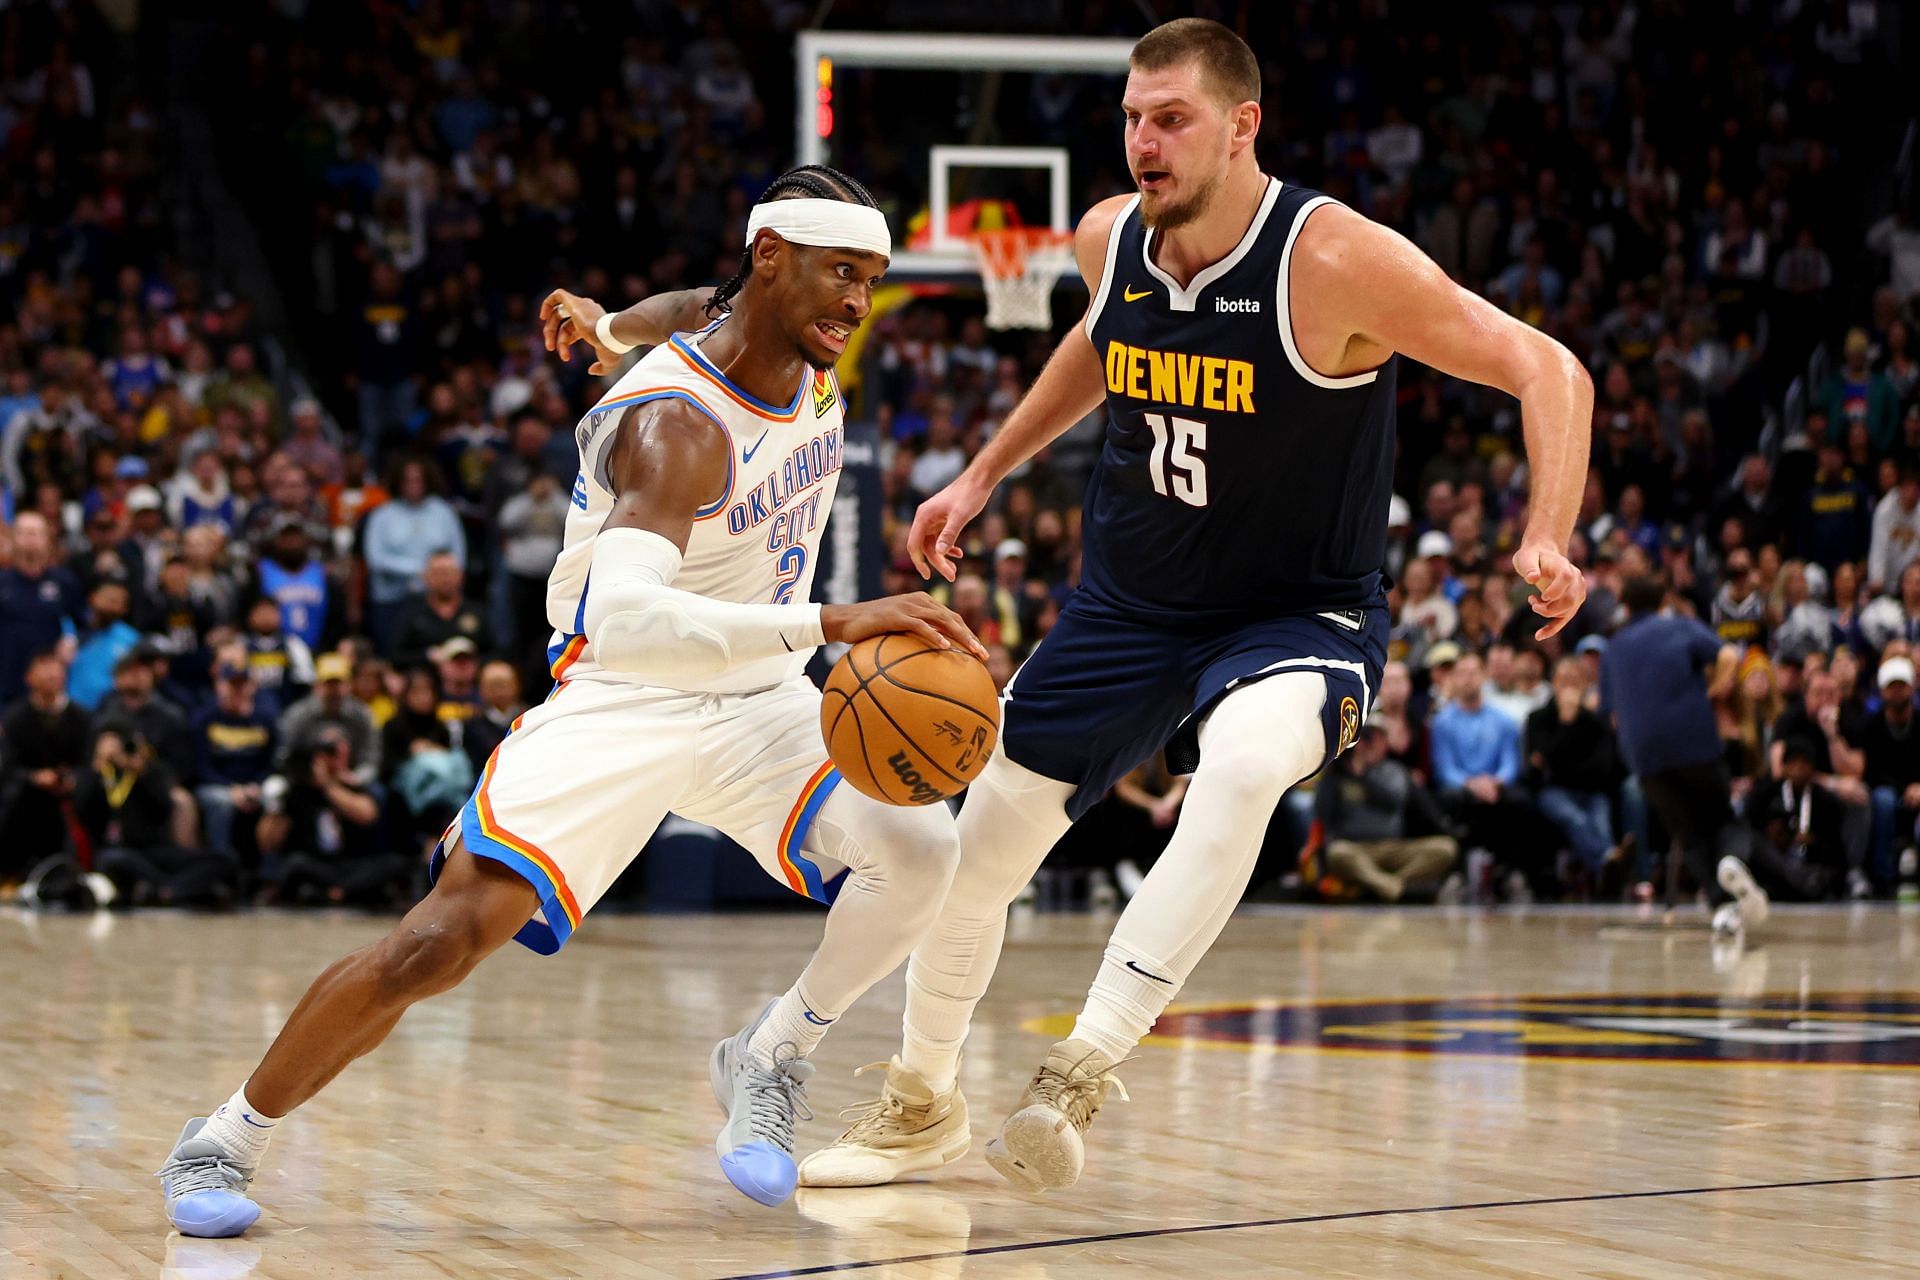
[936, 1061]
[795, 1021]
[1124, 1003]
[241, 1128]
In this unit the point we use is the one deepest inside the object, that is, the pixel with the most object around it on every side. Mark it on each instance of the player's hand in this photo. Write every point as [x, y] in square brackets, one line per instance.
[916, 613]
[567, 318]
[1562, 588]
[934, 539]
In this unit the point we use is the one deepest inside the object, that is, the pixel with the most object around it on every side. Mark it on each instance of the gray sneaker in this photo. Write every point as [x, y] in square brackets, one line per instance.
[205, 1187]
[762, 1101]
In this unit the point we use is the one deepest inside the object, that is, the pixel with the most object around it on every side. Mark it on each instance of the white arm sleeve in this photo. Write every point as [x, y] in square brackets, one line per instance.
[638, 623]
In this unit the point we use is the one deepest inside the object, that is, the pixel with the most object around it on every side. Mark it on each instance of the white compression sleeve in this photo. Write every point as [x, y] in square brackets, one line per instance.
[638, 623]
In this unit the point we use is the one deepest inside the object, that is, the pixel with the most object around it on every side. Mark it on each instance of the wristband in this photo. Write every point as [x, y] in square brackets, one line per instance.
[603, 329]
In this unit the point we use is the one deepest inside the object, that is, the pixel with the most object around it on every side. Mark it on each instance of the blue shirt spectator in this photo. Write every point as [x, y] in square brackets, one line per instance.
[91, 678]
[402, 535]
[1474, 741]
[1653, 682]
[234, 738]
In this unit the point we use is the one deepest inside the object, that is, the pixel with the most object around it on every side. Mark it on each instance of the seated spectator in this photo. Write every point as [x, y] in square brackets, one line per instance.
[235, 739]
[124, 799]
[293, 575]
[1799, 851]
[136, 700]
[1839, 766]
[1363, 807]
[1571, 751]
[1514, 687]
[39, 599]
[500, 706]
[1892, 751]
[1740, 609]
[1404, 725]
[322, 828]
[108, 639]
[1476, 767]
[532, 525]
[437, 615]
[43, 744]
[332, 705]
[458, 664]
[402, 538]
[282, 665]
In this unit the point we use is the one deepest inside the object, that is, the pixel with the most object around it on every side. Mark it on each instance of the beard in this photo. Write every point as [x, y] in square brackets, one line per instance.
[1169, 216]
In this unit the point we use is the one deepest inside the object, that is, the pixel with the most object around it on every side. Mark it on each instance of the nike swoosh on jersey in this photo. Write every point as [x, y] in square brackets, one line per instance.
[746, 455]
[1130, 296]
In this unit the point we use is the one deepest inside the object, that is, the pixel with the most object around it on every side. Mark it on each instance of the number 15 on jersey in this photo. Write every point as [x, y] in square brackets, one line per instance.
[1175, 464]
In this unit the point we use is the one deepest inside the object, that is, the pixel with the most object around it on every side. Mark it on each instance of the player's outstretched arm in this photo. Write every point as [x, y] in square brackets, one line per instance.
[1355, 278]
[668, 459]
[1066, 391]
[567, 318]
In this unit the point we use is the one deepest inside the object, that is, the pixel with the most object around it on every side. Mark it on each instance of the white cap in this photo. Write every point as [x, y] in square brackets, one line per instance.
[1434, 543]
[1896, 671]
[144, 497]
[1399, 514]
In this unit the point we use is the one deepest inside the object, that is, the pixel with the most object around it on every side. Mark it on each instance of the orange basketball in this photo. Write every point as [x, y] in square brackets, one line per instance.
[907, 722]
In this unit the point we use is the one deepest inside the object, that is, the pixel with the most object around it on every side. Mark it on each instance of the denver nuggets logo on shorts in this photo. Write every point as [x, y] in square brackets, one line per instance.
[823, 396]
[1878, 1030]
[1349, 723]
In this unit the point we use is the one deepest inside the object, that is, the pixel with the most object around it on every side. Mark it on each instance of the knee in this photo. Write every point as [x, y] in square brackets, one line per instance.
[1249, 782]
[424, 958]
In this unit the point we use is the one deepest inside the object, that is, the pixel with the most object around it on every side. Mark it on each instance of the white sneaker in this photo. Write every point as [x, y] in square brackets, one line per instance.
[1453, 890]
[1747, 894]
[104, 891]
[1130, 877]
[1040, 1146]
[1859, 888]
[1727, 923]
[1101, 895]
[908, 1129]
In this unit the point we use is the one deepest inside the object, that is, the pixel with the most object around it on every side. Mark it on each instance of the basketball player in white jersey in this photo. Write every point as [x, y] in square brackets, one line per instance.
[682, 626]
[1232, 606]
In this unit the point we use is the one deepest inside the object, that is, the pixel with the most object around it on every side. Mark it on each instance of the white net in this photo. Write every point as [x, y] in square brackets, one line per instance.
[1018, 269]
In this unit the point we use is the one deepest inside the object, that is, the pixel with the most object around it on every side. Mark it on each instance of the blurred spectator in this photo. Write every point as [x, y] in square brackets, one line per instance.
[332, 706]
[1856, 393]
[39, 602]
[124, 799]
[1364, 807]
[235, 739]
[1835, 518]
[1514, 686]
[500, 706]
[43, 744]
[107, 639]
[402, 536]
[532, 525]
[439, 614]
[322, 824]
[135, 700]
[1892, 751]
[1739, 610]
[1571, 753]
[282, 664]
[294, 577]
[1476, 767]
[1799, 822]
[1896, 531]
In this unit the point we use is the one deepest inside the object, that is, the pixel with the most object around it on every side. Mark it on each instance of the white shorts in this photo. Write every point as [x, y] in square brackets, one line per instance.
[583, 779]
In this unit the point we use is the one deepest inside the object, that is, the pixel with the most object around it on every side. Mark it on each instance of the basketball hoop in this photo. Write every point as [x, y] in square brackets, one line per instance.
[1018, 268]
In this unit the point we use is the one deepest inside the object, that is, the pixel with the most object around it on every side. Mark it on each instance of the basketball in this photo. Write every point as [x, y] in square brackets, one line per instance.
[907, 722]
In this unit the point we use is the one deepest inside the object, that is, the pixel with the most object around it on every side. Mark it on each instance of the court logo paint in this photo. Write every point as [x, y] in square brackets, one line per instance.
[1851, 1030]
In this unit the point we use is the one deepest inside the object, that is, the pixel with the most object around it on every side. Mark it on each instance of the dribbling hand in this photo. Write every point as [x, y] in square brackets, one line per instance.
[915, 613]
[934, 540]
[1562, 588]
[567, 318]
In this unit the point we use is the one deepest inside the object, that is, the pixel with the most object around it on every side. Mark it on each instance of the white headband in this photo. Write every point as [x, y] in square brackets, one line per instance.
[827, 224]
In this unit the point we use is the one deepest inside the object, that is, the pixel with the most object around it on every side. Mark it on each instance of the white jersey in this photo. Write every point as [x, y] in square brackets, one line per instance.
[756, 543]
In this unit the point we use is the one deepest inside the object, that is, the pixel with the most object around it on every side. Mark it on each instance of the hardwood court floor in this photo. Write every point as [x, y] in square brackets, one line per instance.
[551, 1119]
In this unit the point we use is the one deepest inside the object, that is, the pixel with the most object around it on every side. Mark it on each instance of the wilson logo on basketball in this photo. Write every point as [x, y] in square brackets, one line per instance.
[918, 788]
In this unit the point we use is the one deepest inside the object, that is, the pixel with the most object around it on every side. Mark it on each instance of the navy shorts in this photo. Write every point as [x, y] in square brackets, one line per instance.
[1101, 693]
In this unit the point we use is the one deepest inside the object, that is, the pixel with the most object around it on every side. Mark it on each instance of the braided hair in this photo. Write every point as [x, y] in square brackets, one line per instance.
[809, 181]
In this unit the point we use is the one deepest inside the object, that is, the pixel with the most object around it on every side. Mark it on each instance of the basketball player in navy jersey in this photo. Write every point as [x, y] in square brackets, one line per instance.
[1232, 607]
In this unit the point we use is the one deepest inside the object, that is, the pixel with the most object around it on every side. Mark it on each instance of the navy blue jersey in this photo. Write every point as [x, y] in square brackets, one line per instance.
[1235, 482]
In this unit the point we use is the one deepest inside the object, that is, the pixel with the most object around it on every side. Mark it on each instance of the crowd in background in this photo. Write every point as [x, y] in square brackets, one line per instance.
[270, 592]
